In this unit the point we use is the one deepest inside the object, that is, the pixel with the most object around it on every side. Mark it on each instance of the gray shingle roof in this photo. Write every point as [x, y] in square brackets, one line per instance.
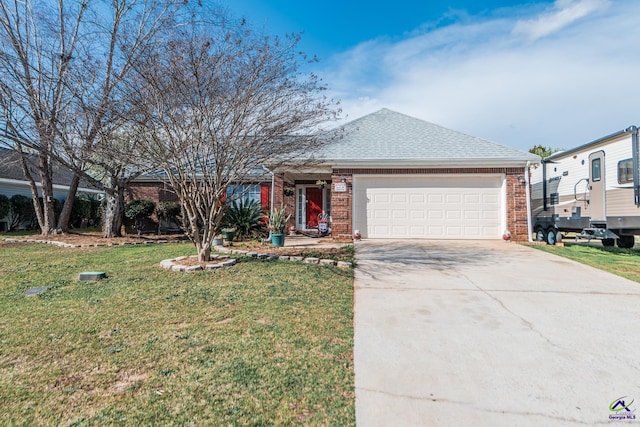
[387, 136]
[10, 169]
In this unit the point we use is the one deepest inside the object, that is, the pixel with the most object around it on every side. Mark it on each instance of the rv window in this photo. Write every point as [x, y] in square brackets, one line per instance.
[595, 170]
[625, 171]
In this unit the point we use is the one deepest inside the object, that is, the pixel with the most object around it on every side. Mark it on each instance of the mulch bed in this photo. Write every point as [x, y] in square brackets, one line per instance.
[93, 238]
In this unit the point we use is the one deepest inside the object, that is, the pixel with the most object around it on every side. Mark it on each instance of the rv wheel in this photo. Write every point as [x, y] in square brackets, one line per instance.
[553, 236]
[540, 236]
[608, 242]
[626, 242]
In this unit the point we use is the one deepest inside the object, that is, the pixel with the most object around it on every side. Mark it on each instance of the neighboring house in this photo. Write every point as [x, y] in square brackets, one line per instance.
[12, 180]
[396, 177]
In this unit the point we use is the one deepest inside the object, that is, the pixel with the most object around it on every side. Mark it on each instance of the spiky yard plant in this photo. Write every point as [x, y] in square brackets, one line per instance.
[246, 216]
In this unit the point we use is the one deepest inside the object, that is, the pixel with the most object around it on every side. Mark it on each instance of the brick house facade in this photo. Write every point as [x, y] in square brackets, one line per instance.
[388, 144]
[393, 176]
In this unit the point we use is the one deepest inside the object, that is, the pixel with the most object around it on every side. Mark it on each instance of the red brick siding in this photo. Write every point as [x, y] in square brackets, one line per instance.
[517, 207]
[341, 207]
[154, 191]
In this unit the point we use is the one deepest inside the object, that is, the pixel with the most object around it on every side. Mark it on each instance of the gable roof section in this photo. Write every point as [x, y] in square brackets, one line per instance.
[388, 137]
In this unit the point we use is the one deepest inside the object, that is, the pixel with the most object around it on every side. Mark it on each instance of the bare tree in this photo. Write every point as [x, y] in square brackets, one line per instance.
[62, 73]
[37, 42]
[219, 101]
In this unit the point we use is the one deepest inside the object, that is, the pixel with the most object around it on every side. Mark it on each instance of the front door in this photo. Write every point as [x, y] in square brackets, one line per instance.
[597, 187]
[314, 206]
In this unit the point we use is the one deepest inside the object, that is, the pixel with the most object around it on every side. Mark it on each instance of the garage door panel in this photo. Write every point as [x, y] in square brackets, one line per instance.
[380, 198]
[399, 198]
[453, 198]
[472, 198]
[490, 198]
[453, 214]
[453, 207]
[417, 214]
[472, 215]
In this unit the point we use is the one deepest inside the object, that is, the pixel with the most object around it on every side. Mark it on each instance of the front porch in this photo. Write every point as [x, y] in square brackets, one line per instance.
[313, 196]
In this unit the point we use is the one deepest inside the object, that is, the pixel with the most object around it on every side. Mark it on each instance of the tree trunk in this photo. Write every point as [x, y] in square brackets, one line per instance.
[112, 221]
[49, 217]
[65, 215]
[204, 251]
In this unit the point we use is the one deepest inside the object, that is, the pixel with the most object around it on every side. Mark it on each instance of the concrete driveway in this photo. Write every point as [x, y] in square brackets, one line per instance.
[491, 334]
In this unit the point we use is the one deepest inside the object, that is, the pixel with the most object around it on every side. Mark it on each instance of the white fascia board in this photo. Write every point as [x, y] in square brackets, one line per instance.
[55, 186]
[433, 163]
[316, 169]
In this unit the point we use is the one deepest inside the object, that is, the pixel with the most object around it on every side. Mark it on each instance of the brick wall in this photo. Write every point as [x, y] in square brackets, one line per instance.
[154, 191]
[517, 207]
[341, 207]
[281, 200]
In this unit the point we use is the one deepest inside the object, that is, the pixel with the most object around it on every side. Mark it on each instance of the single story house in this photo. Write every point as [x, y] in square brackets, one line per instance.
[13, 182]
[394, 176]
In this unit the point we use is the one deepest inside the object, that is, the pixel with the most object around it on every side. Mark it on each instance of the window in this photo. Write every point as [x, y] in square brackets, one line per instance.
[596, 172]
[243, 192]
[625, 171]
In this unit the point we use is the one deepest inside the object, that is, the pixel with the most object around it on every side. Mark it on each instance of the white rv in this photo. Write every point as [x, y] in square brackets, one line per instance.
[592, 190]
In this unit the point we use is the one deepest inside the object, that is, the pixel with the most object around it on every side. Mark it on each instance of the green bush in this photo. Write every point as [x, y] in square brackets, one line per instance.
[83, 209]
[5, 206]
[168, 210]
[137, 209]
[245, 217]
[21, 211]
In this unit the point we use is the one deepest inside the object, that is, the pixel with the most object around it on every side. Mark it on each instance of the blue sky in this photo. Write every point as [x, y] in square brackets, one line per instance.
[557, 73]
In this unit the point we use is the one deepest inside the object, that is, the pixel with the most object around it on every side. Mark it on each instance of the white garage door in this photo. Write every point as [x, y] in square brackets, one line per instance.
[442, 207]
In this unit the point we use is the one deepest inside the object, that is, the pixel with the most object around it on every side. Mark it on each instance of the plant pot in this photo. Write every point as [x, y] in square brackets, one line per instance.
[217, 241]
[277, 240]
[228, 235]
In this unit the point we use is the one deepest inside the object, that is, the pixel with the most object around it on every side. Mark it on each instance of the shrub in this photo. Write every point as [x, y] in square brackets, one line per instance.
[82, 209]
[168, 210]
[5, 206]
[21, 211]
[139, 211]
[245, 216]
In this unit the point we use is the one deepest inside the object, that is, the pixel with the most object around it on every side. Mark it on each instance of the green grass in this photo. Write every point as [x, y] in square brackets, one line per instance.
[261, 343]
[622, 262]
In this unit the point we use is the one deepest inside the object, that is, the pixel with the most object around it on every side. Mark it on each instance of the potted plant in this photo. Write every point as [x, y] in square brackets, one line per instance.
[228, 233]
[277, 224]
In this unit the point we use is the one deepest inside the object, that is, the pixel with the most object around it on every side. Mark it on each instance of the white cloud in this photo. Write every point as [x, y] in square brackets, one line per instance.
[482, 79]
[565, 13]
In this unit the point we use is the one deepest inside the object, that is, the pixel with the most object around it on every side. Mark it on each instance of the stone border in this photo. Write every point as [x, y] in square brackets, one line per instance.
[309, 260]
[221, 249]
[173, 263]
[90, 245]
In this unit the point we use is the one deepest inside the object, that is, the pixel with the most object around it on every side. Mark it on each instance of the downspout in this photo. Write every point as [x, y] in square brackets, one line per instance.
[528, 194]
[273, 187]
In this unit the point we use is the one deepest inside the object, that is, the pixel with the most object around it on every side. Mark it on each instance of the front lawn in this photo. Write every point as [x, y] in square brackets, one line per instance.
[260, 343]
[622, 262]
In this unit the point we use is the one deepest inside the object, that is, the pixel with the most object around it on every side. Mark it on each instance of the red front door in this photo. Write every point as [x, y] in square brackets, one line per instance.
[314, 206]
